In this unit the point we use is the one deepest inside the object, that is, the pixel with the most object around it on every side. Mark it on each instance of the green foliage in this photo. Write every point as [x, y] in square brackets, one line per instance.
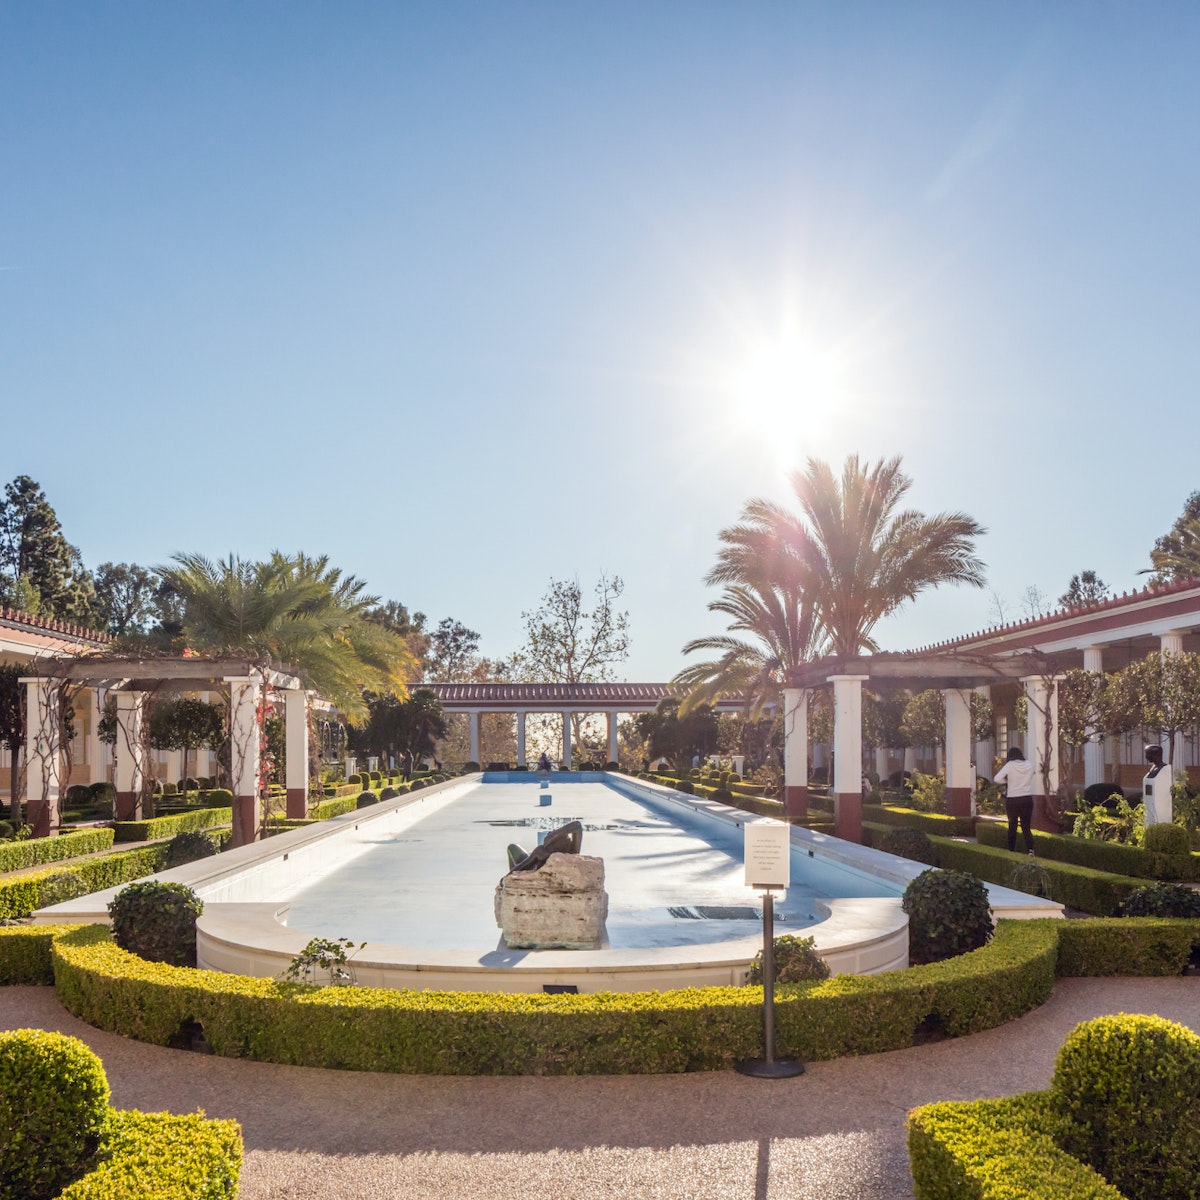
[796, 961]
[470, 767]
[908, 843]
[365, 799]
[16, 855]
[103, 798]
[1032, 877]
[1166, 839]
[53, 1104]
[1122, 824]
[1125, 946]
[25, 953]
[686, 786]
[1127, 1087]
[157, 921]
[60, 886]
[189, 846]
[77, 795]
[948, 914]
[1162, 900]
[324, 809]
[324, 962]
[933, 823]
[163, 827]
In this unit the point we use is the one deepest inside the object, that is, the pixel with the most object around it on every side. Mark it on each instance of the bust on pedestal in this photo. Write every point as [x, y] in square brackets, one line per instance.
[1156, 788]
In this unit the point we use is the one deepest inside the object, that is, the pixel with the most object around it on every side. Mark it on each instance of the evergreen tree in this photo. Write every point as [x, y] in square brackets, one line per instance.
[1085, 588]
[1176, 555]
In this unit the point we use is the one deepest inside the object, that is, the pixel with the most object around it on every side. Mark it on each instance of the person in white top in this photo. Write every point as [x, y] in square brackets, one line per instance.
[1019, 777]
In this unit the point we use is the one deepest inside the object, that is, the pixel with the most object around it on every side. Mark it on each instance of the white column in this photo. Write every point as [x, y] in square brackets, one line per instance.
[43, 755]
[847, 755]
[96, 756]
[881, 763]
[129, 755]
[1171, 642]
[910, 759]
[295, 735]
[985, 750]
[795, 751]
[566, 758]
[1041, 693]
[245, 696]
[474, 723]
[1093, 748]
[960, 779]
[521, 740]
[612, 736]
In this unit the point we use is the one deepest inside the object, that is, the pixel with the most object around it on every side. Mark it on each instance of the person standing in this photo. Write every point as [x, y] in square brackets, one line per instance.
[406, 765]
[1019, 777]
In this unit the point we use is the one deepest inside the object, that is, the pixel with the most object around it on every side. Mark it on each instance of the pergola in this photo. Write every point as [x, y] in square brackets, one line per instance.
[132, 682]
[957, 675]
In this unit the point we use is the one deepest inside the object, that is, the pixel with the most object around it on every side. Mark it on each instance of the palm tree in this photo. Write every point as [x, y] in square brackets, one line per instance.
[292, 610]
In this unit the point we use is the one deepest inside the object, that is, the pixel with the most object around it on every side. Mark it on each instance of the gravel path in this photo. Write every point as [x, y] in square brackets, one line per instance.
[835, 1133]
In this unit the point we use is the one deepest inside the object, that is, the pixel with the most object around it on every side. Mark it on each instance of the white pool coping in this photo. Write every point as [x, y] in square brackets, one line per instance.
[241, 933]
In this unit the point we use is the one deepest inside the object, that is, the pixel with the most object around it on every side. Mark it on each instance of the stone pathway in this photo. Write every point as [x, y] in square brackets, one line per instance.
[835, 1133]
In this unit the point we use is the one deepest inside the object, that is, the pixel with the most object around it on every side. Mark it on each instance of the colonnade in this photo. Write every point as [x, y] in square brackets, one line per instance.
[566, 713]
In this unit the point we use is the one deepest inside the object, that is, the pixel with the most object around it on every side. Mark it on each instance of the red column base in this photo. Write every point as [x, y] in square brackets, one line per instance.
[297, 803]
[795, 800]
[1041, 818]
[245, 820]
[42, 817]
[128, 806]
[958, 801]
[847, 819]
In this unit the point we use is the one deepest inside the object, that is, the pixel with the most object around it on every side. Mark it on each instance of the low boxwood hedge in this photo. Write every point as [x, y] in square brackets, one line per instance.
[934, 824]
[1126, 946]
[324, 809]
[32, 852]
[21, 894]
[155, 828]
[1114, 857]
[25, 953]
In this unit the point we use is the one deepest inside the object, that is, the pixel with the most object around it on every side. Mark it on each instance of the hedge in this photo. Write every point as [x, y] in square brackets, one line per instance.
[25, 953]
[1097, 892]
[155, 828]
[996, 1150]
[14, 856]
[479, 1033]
[1115, 857]
[939, 824]
[165, 1156]
[324, 809]
[1126, 946]
[20, 895]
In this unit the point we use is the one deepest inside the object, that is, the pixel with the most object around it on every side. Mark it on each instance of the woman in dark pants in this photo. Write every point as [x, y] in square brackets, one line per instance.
[1019, 778]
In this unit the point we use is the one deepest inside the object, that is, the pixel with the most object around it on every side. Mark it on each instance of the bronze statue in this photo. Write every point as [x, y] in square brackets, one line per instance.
[566, 840]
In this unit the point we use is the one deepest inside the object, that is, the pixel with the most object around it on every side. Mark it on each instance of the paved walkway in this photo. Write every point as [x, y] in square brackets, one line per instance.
[835, 1133]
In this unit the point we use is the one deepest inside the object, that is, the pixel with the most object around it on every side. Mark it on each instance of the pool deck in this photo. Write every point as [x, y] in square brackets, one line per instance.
[835, 1133]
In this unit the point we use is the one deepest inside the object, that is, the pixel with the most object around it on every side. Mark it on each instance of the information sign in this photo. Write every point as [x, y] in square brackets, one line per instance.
[768, 854]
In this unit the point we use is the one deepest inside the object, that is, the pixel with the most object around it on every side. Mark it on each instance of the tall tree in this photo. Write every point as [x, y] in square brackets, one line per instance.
[1176, 555]
[1085, 588]
[567, 641]
[125, 597]
[453, 651]
[187, 723]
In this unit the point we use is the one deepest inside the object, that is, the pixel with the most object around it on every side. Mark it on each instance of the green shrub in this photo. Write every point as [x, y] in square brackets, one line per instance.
[1032, 877]
[33, 851]
[60, 886]
[365, 799]
[686, 786]
[908, 843]
[103, 798]
[796, 961]
[948, 914]
[388, 793]
[612, 766]
[1125, 946]
[25, 953]
[927, 793]
[470, 767]
[934, 824]
[376, 777]
[1162, 900]
[78, 795]
[1127, 1087]
[324, 809]
[6, 830]
[189, 846]
[155, 828]
[53, 1105]
[1166, 839]
[157, 922]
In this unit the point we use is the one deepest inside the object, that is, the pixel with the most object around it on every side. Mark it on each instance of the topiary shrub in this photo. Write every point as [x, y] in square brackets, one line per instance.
[1166, 839]
[169, 789]
[948, 914]
[612, 766]
[53, 1106]
[376, 776]
[722, 795]
[416, 785]
[1096, 794]
[1161, 900]
[365, 799]
[796, 961]
[157, 921]
[388, 793]
[908, 843]
[189, 847]
[77, 795]
[469, 767]
[1127, 1087]
[62, 885]
[219, 798]
[685, 785]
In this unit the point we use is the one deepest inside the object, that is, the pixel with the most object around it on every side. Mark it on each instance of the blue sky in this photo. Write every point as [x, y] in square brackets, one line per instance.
[468, 296]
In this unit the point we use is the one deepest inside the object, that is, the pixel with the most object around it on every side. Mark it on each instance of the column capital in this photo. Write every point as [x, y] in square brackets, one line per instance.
[847, 678]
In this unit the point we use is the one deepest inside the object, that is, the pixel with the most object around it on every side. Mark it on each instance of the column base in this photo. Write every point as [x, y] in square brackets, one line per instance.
[958, 801]
[795, 800]
[1042, 821]
[847, 816]
[297, 803]
[128, 806]
[43, 818]
[245, 820]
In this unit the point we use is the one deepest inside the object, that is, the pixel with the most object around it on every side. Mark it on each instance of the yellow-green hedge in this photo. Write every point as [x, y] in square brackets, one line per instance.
[164, 827]
[21, 894]
[479, 1033]
[34, 851]
[163, 1156]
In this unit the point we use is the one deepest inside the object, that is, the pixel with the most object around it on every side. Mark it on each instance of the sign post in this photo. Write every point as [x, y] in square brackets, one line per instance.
[768, 866]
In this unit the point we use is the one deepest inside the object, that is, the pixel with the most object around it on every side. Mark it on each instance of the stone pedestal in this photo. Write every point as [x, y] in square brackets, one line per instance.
[561, 905]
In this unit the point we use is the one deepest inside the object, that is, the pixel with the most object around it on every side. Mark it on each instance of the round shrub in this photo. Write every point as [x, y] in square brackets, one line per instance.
[365, 799]
[722, 795]
[1127, 1086]
[416, 785]
[1166, 839]
[53, 1104]
[685, 785]
[388, 793]
[909, 843]
[157, 921]
[612, 766]
[948, 914]
[220, 798]
[469, 767]
[62, 885]
[1161, 900]
[796, 961]
[169, 789]
[103, 798]
[1101, 793]
[189, 847]
[77, 795]
[376, 776]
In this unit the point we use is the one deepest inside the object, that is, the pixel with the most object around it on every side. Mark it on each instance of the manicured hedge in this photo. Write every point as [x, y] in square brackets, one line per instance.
[996, 1150]
[477, 1033]
[1114, 857]
[21, 894]
[934, 824]
[25, 953]
[33, 851]
[324, 809]
[165, 1156]
[1097, 892]
[1126, 946]
[164, 827]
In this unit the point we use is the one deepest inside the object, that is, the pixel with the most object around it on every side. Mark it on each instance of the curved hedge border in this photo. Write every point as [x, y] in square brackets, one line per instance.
[34, 851]
[21, 894]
